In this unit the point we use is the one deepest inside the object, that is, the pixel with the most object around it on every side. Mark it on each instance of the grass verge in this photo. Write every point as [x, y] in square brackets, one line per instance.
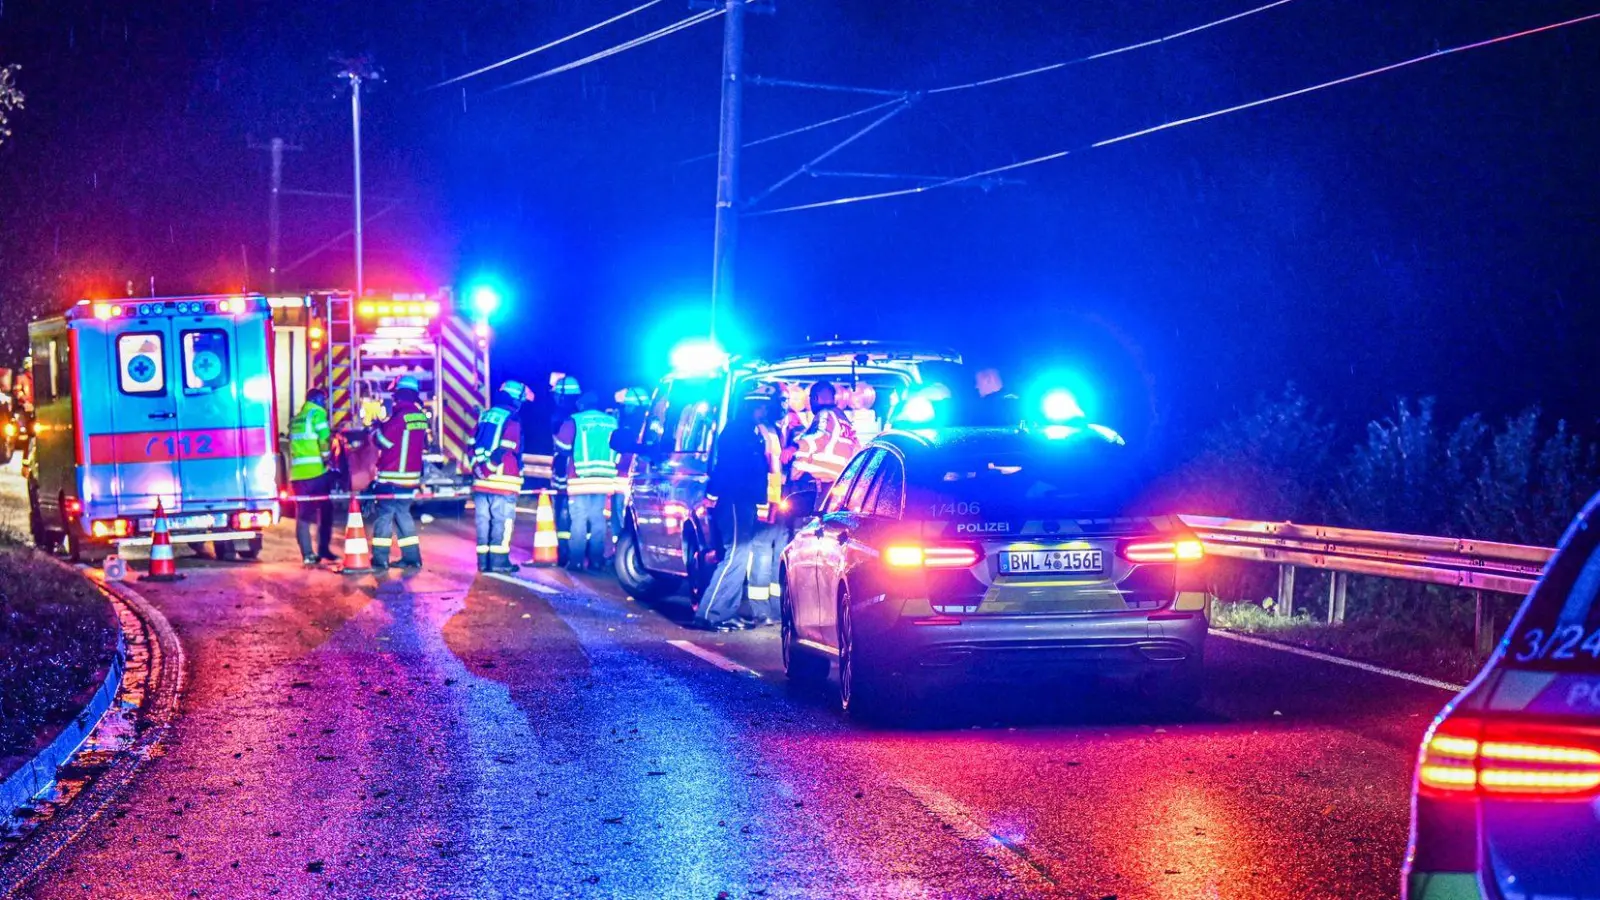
[1382, 642]
[57, 635]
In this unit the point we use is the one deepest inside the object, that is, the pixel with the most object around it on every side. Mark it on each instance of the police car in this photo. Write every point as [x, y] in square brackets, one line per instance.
[1014, 554]
[1507, 789]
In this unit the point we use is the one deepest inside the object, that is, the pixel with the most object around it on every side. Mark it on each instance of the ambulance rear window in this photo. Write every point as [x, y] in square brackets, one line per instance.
[205, 360]
[141, 363]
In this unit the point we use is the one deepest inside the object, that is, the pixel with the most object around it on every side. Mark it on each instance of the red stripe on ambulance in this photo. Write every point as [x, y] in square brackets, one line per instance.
[170, 446]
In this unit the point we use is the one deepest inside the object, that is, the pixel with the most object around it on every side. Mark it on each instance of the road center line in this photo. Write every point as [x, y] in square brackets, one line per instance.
[1004, 852]
[714, 658]
[1340, 661]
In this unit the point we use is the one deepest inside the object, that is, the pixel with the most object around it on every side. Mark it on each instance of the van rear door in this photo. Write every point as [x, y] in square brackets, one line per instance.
[142, 409]
[211, 442]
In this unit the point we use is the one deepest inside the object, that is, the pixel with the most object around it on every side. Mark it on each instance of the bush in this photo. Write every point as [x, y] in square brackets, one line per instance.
[57, 633]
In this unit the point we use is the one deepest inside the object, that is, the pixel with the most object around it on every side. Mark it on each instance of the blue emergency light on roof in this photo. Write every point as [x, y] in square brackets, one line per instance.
[105, 310]
[698, 356]
[485, 300]
[1060, 406]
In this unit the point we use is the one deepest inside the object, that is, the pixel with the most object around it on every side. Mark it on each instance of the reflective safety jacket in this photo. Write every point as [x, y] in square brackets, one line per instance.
[401, 440]
[770, 511]
[825, 448]
[497, 452]
[585, 438]
[310, 443]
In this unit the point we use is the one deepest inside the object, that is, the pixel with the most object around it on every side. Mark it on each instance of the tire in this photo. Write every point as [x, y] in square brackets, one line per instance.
[43, 538]
[225, 551]
[802, 665]
[251, 549]
[81, 550]
[864, 694]
[639, 582]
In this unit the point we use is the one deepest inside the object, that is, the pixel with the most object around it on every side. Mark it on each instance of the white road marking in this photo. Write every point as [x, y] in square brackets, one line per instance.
[715, 658]
[1341, 661]
[523, 582]
[1009, 855]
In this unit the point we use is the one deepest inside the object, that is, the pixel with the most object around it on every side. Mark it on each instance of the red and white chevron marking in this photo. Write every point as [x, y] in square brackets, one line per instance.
[463, 390]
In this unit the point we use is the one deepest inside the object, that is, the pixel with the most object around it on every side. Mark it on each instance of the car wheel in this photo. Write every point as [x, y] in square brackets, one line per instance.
[639, 582]
[863, 693]
[251, 549]
[225, 551]
[43, 538]
[799, 663]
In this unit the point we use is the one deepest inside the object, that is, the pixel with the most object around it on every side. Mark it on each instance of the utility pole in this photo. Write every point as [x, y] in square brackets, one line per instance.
[726, 245]
[274, 224]
[357, 71]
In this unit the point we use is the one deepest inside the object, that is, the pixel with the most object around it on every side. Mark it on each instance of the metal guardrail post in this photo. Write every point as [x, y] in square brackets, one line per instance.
[1286, 591]
[1338, 587]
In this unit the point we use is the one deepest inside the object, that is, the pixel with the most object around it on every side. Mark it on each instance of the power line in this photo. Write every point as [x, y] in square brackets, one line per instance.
[623, 47]
[803, 129]
[543, 47]
[1191, 119]
[1105, 53]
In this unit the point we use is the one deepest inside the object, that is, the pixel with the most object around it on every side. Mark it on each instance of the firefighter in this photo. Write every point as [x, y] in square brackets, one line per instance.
[820, 453]
[497, 476]
[311, 476]
[564, 393]
[585, 439]
[401, 439]
[762, 590]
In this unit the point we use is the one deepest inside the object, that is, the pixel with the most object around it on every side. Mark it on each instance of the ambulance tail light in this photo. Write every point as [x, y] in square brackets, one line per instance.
[73, 506]
[1467, 758]
[111, 528]
[252, 521]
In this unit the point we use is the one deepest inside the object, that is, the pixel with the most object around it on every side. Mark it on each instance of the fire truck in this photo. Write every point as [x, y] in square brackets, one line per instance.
[153, 401]
[357, 349]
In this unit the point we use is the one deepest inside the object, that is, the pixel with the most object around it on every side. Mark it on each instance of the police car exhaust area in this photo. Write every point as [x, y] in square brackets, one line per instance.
[822, 623]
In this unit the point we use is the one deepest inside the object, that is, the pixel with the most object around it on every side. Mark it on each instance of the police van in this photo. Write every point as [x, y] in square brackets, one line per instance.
[146, 401]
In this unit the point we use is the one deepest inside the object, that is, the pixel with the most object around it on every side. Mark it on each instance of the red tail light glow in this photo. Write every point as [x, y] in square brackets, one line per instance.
[1174, 551]
[252, 520]
[1458, 760]
[111, 528]
[933, 556]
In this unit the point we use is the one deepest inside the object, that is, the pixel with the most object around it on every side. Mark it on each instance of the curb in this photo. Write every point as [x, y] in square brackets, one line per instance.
[39, 773]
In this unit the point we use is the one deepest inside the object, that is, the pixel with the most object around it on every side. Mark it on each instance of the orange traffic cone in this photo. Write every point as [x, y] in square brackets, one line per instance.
[357, 552]
[546, 546]
[162, 566]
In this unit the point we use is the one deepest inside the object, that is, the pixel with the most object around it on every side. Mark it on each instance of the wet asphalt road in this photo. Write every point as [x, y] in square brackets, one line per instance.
[448, 735]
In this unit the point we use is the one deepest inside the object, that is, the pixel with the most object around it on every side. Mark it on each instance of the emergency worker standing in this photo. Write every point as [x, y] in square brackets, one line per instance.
[401, 438]
[762, 590]
[310, 452]
[585, 439]
[821, 452]
[497, 476]
[737, 486]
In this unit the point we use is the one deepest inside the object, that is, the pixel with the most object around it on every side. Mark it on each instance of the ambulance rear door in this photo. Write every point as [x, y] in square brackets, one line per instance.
[141, 442]
[223, 391]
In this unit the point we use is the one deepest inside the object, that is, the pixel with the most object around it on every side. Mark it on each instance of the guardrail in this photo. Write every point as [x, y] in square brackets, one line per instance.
[1453, 562]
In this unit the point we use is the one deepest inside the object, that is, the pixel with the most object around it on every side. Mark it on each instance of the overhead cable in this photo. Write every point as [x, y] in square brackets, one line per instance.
[623, 47]
[1105, 53]
[842, 201]
[803, 128]
[555, 43]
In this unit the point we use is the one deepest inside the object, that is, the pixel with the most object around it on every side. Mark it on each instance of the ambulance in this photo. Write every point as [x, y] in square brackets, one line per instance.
[146, 401]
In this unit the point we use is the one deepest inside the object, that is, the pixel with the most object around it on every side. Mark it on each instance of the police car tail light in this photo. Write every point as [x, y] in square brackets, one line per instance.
[1173, 551]
[931, 556]
[105, 528]
[1462, 757]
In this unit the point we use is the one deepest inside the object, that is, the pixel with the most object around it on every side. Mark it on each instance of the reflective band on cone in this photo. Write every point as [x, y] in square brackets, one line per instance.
[357, 552]
[546, 546]
[162, 565]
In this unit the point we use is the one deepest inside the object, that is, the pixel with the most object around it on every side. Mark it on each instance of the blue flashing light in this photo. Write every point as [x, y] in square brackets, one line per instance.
[917, 411]
[1059, 432]
[698, 356]
[485, 300]
[1059, 405]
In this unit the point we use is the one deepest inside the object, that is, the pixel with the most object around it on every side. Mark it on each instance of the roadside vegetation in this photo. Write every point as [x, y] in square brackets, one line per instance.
[1519, 480]
[57, 634]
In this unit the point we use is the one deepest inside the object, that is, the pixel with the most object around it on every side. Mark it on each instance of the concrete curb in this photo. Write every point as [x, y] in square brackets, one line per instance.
[39, 773]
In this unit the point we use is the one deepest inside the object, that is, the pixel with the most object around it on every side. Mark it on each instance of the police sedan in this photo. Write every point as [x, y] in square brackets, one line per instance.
[1507, 791]
[959, 554]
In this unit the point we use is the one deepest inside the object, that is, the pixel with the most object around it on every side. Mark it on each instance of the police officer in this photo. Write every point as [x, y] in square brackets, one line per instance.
[585, 439]
[310, 451]
[497, 476]
[401, 440]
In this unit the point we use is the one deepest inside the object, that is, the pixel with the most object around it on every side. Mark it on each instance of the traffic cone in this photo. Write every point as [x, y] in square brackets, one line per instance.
[357, 552]
[546, 546]
[162, 566]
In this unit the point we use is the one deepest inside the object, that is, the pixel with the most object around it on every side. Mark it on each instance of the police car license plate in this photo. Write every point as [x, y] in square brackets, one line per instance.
[1051, 562]
[186, 523]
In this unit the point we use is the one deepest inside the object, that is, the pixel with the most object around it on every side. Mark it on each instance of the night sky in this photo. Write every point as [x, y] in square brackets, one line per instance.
[1430, 231]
